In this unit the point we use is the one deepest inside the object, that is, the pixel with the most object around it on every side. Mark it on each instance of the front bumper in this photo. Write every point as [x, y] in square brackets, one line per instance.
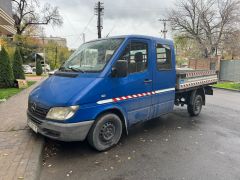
[61, 131]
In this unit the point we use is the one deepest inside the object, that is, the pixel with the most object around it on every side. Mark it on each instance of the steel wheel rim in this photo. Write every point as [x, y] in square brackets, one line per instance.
[197, 107]
[107, 132]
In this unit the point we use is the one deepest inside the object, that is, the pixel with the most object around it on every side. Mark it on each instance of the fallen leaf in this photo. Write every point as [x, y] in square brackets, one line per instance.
[116, 156]
[20, 177]
[112, 167]
[129, 158]
[49, 165]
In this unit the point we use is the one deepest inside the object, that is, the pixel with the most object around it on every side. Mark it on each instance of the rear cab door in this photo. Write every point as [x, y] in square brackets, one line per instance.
[164, 78]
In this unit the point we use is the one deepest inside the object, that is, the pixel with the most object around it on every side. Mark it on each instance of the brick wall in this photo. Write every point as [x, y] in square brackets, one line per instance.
[205, 64]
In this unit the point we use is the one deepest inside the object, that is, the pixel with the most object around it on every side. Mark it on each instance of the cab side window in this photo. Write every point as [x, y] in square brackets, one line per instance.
[163, 57]
[136, 53]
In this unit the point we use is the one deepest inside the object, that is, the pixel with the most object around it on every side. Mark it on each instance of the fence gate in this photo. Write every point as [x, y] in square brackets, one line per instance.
[230, 70]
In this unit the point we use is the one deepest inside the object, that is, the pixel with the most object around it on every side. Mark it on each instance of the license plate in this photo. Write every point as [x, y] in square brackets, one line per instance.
[33, 126]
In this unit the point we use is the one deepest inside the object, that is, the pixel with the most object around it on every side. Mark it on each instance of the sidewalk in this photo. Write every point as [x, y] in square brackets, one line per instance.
[20, 148]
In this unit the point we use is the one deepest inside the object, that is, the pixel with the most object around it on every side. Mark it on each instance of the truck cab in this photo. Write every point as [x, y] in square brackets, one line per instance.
[104, 88]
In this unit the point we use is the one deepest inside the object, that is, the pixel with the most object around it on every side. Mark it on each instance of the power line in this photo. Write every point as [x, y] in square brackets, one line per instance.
[99, 12]
[126, 8]
[84, 29]
[111, 30]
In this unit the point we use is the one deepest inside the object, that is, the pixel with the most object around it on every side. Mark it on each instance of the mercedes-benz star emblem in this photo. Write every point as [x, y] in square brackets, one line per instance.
[33, 107]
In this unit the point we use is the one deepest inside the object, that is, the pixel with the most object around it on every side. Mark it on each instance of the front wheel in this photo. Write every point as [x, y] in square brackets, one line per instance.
[106, 132]
[195, 108]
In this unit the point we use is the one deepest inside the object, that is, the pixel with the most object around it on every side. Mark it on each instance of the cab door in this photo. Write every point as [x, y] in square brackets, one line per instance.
[164, 78]
[134, 94]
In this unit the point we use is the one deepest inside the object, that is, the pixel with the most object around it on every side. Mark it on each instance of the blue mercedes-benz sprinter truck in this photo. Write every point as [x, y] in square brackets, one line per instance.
[108, 85]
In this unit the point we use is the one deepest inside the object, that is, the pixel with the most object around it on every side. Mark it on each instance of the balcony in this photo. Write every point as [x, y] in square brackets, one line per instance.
[6, 20]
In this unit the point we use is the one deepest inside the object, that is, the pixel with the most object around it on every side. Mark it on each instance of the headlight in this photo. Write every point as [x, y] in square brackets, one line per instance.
[62, 113]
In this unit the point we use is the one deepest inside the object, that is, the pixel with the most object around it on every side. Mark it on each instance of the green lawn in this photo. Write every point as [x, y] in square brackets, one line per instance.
[6, 93]
[228, 85]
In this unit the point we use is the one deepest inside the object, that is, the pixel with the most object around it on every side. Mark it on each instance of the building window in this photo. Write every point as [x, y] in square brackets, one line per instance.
[163, 57]
[136, 55]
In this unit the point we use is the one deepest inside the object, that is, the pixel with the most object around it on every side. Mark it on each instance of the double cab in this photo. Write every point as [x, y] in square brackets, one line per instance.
[108, 85]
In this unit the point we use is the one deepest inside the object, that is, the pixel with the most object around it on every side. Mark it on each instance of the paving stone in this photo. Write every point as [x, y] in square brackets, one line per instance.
[20, 149]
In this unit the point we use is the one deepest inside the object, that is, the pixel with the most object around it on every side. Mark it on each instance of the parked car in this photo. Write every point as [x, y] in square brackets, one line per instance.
[27, 69]
[34, 69]
[46, 68]
[50, 73]
[98, 98]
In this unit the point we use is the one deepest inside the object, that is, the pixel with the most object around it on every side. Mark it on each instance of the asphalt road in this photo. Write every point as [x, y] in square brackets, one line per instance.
[173, 147]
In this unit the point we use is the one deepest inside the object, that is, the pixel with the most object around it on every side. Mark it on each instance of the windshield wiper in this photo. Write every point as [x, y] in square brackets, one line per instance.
[76, 69]
[67, 69]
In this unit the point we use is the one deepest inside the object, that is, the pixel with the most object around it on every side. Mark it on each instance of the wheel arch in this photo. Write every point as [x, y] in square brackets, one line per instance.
[119, 113]
[193, 93]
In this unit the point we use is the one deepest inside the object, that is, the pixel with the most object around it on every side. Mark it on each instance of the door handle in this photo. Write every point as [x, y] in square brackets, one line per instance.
[147, 81]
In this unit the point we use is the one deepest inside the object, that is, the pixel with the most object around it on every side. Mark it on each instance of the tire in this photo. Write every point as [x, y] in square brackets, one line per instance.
[195, 108]
[106, 132]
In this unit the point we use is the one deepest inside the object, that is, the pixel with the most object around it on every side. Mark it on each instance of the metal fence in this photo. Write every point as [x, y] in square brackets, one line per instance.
[230, 70]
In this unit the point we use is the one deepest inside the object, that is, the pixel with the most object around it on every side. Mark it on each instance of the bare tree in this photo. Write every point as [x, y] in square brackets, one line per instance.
[206, 21]
[231, 45]
[27, 13]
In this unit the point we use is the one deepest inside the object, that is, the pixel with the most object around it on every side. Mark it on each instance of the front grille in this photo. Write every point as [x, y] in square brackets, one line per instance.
[37, 110]
[33, 119]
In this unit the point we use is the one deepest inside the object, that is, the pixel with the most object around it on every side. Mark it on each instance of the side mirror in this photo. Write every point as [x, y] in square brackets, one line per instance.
[120, 69]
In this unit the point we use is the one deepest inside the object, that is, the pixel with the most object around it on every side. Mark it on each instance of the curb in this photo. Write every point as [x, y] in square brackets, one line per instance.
[232, 90]
[40, 158]
[34, 166]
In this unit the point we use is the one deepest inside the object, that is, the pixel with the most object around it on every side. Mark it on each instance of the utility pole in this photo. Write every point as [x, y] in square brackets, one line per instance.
[99, 12]
[83, 37]
[164, 31]
[56, 56]
[44, 52]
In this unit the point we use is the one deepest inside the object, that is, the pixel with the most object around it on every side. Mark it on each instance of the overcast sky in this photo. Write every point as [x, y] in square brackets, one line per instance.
[120, 17]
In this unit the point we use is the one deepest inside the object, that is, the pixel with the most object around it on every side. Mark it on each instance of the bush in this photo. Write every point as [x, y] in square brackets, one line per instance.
[6, 73]
[39, 69]
[18, 72]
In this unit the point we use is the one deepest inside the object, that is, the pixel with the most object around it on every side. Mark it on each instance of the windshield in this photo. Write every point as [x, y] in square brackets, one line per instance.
[92, 56]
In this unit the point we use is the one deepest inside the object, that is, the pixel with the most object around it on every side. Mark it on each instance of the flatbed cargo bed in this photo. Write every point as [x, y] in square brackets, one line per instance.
[190, 79]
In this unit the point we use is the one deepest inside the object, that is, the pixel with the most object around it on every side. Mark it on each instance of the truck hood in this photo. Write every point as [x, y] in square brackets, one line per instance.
[58, 91]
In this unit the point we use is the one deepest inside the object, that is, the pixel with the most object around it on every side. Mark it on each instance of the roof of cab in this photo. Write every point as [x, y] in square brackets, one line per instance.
[161, 40]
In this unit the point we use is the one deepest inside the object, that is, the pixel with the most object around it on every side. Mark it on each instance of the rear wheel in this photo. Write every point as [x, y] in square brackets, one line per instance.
[106, 132]
[195, 107]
